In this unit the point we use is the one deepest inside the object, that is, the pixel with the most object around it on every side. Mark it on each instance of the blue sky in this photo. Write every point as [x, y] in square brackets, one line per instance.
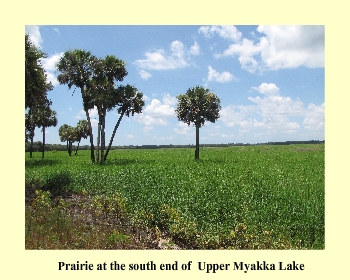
[270, 80]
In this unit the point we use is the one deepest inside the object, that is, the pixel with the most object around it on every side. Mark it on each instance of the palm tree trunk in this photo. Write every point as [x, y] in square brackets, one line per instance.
[31, 141]
[103, 135]
[98, 139]
[76, 151]
[113, 134]
[70, 148]
[31, 146]
[196, 156]
[90, 128]
[43, 142]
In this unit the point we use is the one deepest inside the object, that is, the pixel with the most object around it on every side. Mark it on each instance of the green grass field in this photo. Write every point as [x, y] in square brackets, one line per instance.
[249, 197]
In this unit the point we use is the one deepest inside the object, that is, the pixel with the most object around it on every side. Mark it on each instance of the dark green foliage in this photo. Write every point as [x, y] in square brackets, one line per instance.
[36, 85]
[197, 106]
[97, 78]
[58, 183]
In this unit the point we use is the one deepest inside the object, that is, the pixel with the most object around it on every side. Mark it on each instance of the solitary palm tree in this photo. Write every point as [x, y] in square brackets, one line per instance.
[197, 106]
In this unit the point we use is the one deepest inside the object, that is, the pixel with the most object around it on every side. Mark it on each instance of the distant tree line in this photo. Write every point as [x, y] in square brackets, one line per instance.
[37, 146]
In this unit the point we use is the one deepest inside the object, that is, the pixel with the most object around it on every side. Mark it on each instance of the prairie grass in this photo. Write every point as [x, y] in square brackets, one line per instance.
[251, 197]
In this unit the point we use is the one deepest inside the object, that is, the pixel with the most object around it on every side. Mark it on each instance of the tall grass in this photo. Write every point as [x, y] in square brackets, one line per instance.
[251, 197]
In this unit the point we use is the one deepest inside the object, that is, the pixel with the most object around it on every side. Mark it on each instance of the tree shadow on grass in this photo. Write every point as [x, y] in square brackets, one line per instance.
[40, 162]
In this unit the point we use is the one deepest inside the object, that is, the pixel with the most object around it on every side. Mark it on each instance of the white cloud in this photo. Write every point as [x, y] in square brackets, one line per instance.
[245, 50]
[157, 109]
[236, 115]
[159, 60]
[268, 89]
[183, 129]
[314, 118]
[156, 113]
[94, 122]
[34, 34]
[195, 49]
[281, 47]
[49, 64]
[274, 114]
[292, 46]
[129, 136]
[226, 31]
[273, 106]
[146, 98]
[144, 74]
[169, 100]
[93, 112]
[223, 77]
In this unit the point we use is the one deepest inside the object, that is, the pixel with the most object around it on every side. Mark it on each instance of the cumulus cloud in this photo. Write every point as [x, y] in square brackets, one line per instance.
[223, 77]
[157, 109]
[195, 49]
[292, 46]
[274, 113]
[314, 117]
[169, 100]
[279, 47]
[160, 60]
[49, 64]
[226, 31]
[246, 51]
[34, 34]
[268, 89]
[183, 129]
[156, 113]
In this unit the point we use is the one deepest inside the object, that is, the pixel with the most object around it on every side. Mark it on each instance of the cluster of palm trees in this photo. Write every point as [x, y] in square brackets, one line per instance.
[72, 134]
[97, 78]
[37, 105]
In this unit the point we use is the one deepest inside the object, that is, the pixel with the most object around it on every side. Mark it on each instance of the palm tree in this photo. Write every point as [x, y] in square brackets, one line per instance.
[76, 68]
[197, 106]
[68, 134]
[46, 118]
[130, 102]
[30, 128]
[36, 85]
[101, 90]
[82, 131]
